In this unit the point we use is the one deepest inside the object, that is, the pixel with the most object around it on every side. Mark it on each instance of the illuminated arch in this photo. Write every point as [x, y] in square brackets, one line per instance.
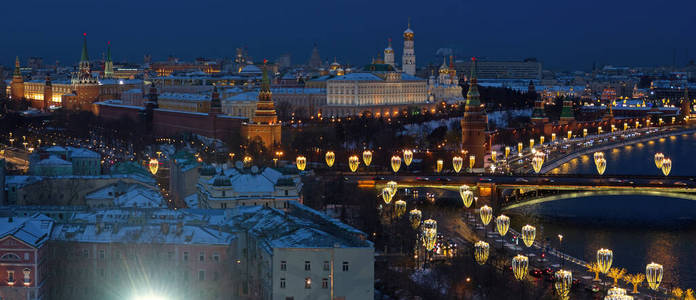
[565, 196]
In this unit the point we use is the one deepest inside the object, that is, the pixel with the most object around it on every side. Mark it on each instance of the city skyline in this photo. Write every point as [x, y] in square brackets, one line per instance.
[354, 34]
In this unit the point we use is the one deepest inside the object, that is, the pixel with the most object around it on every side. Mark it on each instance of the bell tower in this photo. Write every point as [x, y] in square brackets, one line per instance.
[408, 59]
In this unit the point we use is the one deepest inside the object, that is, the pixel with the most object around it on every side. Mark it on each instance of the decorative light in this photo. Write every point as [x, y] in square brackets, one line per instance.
[553, 137]
[399, 207]
[408, 157]
[472, 161]
[367, 157]
[604, 260]
[429, 233]
[531, 144]
[502, 223]
[395, 163]
[666, 166]
[457, 163]
[301, 162]
[520, 263]
[414, 216]
[247, 160]
[601, 165]
[386, 195]
[538, 161]
[519, 147]
[659, 158]
[584, 132]
[625, 126]
[541, 140]
[153, 165]
[507, 152]
[486, 213]
[438, 165]
[353, 163]
[564, 281]
[393, 186]
[528, 235]
[330, 157]
[494, 156]
[616, 291]
[466, 195]
[481, 251]
[598, 155]
[570, 133]
[653, 274]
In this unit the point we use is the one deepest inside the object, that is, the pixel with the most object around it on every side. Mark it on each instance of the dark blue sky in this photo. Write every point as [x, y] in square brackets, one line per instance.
[563, 34]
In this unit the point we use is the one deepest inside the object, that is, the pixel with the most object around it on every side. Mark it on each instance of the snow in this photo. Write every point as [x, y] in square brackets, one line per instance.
[33, 230]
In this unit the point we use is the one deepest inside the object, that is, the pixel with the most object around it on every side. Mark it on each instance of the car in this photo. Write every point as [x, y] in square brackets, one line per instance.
[482, 179]
[422, 178]
[536, 273]
[444, 179]
[680, 183]
[520, 179]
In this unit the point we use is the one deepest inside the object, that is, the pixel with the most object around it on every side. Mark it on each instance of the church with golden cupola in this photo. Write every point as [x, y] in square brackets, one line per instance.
[445, 87]
[408, 59]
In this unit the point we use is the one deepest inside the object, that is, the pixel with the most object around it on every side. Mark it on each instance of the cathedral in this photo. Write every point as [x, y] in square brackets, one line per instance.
[445, 87]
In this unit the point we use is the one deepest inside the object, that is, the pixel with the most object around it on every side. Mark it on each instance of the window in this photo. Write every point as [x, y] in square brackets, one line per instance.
[27, 276]
[26, 255]
[326, 265]
[85, 253]
[324, 283]
[201, 275]
[216, 257]
[10, 277]
[102, 254]
[308, 283]
[283, 265]
[170, 255]
[345, 266]
[282, 283]
[185, 255]
[307, 266]
[201, 256]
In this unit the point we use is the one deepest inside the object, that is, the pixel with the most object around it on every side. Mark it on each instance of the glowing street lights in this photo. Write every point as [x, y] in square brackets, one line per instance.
[393, 186]
[367, 157]
[467, 195]
[472, 161]
[507, 152]
[481, 252]
[414, 216]
[528, 235]
[520, 264]
[387, 195]
[653, 274]
[538, 161]
[494, 156]
[519, 148]
[330, 157]
[438, 165]
[153, 166]
[666, 166]
[457, 163]
[502, 224]
[353, 163]
[659, 158]
[486, 213]
[399, 207]
[563, 283]
[604, 259]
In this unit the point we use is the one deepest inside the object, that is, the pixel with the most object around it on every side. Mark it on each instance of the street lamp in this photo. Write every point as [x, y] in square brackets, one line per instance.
[528, 235]
[481, 251]
[653, 273]
[353, 162]
[520, 264]
[457, 163]
[486, 212]
[564, 281]
[330, 157]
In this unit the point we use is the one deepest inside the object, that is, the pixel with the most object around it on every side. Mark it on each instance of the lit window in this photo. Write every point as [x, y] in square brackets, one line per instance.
[308, 283]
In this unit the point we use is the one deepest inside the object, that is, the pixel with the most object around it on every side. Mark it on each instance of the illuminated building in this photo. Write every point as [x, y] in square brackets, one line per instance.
[474, 122]
[446, 87]
[608, 94]
[184, 102]
[492, 68]
[389, 55]
[264, 124]
[408, 59]
[17, 85]
[108, 64]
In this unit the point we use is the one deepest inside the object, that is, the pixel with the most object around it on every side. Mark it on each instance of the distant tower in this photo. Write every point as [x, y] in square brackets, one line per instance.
[538, 114]
[315, 59]
[389, 54]
[453, 71]
[108, 64]
[474, 122]
[215, 105]
[567, 115]
[264, 124]
[686, 105]
[408, 60]
[443, 73]
[531, 89]
[17, 85]
[48, 93]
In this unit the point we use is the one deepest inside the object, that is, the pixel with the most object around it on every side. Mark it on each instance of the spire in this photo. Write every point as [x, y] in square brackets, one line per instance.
[108, 64]
[472, 96]
[215, 105]
[108, 51]
[265, 82]
[84, 57]
[17, 72]
[265, 110]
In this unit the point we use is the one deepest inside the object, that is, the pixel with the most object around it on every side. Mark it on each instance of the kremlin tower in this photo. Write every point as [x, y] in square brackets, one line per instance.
[389, 54]
[17, 85]
[567, 115]
[264, 123]
[48, 93]
[408, 60]
[538, 114]
[85, 86]
[108, 64]
[474, 122]
[685, 110]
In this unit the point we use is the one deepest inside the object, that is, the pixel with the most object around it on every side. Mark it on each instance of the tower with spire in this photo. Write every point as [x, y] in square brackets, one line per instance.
[17, 85]
[389, 54]
[408, 59]
[538, 114]
[315, 59]
[264, 124]
[48, 93]
[474, 123]
[84, 73]
[108, 64]
[567, 115]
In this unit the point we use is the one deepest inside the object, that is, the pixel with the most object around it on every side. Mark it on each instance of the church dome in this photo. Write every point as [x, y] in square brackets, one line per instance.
[408, 34]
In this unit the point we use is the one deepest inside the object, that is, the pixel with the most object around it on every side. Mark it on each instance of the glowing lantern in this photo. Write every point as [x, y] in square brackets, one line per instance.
[584, 132]
[486, 212]
[613, 127]
[472, 161]
[481, 251]
[625, 126]
[659, 158]
[429, 232]
[330, 158]
[502, 223]
[564, 281]
[601, 165]
[466, 195]
[541, 140]
[604, 260]
[531, 144]
[599, 130]
[494, 156]
[457, 163]
[520, 263]
[393, 186]
[653, 274]
[507, 152]
[438, 165]
[153, 165]
[598, 155]
[386, 195]
[553, 137]
[616, 291]
[353, 163]
[637, 124]
[570, 133]
[367, 157]
[395, 163]
[301, 162]
[414, 216]
[528, 235]
[519, 148]
[408, 157]
[247, 160]
[399, 207]
[538, 161]
[666, 166]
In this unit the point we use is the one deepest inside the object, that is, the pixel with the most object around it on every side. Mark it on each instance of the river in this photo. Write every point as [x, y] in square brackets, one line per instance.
[639, 229]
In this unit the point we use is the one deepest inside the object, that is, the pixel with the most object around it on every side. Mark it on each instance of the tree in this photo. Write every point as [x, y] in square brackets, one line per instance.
[635, 280]
[616, 274]
[690, 295]
[678, 293]
[594, 268]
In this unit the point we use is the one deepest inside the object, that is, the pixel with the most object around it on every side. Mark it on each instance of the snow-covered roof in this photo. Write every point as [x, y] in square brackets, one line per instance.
[247, 96]
[34, 230]
[128, 195]
[189, 234]
[358, 77]
[185, 96]
[83, 153]
[53, 160]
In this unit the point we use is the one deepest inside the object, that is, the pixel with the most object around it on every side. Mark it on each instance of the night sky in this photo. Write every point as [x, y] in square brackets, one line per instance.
[562, 34]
